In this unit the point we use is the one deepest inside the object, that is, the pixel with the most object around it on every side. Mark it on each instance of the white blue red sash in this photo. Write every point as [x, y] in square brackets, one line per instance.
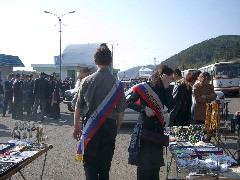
[99, 116]
[151, 98]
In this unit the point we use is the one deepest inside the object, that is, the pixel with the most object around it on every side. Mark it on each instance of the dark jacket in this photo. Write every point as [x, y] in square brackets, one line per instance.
[182, 96]
[41, 88]
[17, 90]
[1, 89]
[54, 90]
[8, 88]
[151, 154]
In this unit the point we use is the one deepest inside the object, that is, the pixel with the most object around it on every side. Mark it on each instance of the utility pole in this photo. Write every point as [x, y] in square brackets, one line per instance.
[111, 65]
[60, 38]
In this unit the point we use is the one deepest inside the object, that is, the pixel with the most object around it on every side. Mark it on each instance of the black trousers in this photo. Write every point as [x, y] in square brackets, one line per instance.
[7, 102]
[17, 112]
[147, 174]
[99, 152]
[55, 111]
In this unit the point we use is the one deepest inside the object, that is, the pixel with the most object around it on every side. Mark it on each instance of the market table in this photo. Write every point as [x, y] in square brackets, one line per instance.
[233, 173]
[17, 167]
[191, 155]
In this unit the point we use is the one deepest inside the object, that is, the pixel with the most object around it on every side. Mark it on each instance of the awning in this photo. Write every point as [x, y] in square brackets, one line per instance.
[8, 60]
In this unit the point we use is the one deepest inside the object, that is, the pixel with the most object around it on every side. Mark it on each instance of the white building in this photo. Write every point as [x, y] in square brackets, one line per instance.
[145, 72]
[74, 57]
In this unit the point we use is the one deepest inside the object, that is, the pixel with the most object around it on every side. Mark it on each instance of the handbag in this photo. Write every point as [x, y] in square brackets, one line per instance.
[134, 146]
[157, 138]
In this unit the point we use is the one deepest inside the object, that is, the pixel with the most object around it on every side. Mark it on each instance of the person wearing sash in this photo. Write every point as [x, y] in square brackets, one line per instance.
[150, 157]
[98, 115]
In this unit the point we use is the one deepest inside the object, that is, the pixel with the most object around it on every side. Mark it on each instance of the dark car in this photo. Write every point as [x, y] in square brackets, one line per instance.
[68, 98]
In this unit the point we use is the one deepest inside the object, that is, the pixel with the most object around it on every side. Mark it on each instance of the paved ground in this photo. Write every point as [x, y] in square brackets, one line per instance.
[60, 163]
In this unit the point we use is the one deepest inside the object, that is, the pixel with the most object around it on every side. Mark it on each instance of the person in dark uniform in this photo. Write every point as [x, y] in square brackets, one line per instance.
[27, 95]
[41, 95]
[54, 103]
[150, 157]
[1, 94]
[8, 95]
[94, 89]
[31, 96]
[17, 98]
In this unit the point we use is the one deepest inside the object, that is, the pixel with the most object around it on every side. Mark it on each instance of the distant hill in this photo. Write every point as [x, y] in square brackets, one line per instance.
[133, 72]
[222, 48]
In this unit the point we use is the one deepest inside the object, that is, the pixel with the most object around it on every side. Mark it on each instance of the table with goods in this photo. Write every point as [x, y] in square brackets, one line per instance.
[28, 143]
[194, 156]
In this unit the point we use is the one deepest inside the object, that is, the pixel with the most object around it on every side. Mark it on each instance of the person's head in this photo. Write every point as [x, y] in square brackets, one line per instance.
[103, 55]
[13, 76]
[177, 74]
[42, 75]
[18, 76]
[23, 76]
[159, 71]
[194, 76]
[27, 77]
[51, 77]
[204, 78]
[9, 77]
[84, 72]
[30, 76]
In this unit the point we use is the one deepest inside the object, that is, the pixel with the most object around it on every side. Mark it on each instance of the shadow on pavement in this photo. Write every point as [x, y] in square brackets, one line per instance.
[5, 134]
[66, 119]
[2, 127]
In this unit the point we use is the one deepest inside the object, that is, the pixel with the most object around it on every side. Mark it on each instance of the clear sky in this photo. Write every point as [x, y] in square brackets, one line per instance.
[140, 30]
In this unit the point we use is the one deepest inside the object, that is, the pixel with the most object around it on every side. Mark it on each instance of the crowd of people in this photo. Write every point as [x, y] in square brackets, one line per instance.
[100, 106]
[22, 93]
[185, 100]
[190, 95]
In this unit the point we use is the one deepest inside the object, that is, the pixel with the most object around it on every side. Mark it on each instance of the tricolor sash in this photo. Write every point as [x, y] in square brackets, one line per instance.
[99, 116]
[152, 99]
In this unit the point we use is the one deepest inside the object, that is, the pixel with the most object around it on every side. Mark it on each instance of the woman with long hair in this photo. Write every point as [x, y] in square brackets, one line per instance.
[203, 92]
[148, 99]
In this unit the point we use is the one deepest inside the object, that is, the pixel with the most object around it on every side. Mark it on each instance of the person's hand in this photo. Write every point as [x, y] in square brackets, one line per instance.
[149, 112]
[166, 80]
[77, 132]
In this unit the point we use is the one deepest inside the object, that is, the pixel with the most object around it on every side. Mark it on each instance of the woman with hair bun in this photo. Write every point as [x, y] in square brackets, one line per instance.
[148, 99]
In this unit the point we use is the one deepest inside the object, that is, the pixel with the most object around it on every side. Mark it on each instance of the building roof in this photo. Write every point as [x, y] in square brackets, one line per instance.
[80, 54]
[8, 60]
[145, 69]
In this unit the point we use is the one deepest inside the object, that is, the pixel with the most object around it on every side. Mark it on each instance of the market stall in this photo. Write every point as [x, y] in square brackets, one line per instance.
[195, 157]
[28, 143]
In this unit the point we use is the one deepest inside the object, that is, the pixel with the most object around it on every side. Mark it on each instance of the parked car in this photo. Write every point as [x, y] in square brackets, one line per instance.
[68, 97]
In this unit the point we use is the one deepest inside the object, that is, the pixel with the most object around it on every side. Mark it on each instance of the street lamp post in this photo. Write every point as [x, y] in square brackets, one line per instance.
[112, 56]
[60, 38]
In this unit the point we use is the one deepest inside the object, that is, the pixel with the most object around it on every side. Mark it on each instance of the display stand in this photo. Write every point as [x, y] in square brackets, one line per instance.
[215, 119]
[19, 166]
[212, 125]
